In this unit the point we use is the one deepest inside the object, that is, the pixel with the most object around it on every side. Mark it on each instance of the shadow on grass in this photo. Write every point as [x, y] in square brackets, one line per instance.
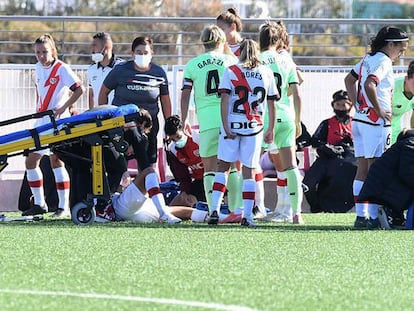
[186, 225]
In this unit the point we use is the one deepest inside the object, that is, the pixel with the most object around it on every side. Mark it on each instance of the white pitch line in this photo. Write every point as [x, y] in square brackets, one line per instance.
[195, 304]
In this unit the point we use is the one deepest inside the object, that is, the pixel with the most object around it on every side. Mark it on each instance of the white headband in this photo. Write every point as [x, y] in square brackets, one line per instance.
[396, 40]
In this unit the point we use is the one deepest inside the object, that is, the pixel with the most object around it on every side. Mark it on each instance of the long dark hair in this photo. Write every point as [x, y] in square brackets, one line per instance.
[385, 35]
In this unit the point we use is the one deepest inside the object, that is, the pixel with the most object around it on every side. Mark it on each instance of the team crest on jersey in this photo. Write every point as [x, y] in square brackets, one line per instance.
[196, 152]
[52, 81]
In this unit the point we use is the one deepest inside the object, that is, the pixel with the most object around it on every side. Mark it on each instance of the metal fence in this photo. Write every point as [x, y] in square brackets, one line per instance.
[313, 41]
[18, 95]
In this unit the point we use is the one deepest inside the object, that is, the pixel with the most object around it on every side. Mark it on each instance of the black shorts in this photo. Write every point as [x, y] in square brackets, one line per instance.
[144, 145]
[197, 190]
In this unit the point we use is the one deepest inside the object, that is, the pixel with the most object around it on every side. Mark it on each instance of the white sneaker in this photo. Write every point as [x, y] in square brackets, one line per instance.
[288, 211]
[169, 218]
[278, 210]
[282, 218]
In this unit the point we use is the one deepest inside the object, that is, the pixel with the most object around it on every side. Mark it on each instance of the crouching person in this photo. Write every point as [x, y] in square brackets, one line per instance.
[390, 182]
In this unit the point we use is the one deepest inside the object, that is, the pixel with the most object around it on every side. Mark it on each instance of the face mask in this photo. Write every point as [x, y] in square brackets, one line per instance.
[341, 114]
[98, 57]
[181, 142]
[143, 61]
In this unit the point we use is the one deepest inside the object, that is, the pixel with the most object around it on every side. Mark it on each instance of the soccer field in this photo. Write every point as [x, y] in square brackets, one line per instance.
[323, 265]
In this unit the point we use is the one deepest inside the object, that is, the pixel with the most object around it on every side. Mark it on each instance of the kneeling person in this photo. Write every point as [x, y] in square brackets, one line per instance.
[184, 159]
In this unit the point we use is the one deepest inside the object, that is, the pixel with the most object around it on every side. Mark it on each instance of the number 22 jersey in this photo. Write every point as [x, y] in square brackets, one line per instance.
[249, 90]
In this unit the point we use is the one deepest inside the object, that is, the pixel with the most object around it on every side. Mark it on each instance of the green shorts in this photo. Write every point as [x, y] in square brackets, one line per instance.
[285, 134]
[209, 142]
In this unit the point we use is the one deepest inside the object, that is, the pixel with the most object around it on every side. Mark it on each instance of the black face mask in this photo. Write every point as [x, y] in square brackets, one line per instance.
[341, 114]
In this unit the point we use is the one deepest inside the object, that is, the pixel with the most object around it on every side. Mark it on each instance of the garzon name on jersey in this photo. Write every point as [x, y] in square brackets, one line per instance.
[210, 61]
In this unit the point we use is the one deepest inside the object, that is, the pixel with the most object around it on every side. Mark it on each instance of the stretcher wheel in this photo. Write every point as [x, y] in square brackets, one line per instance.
[122, 146]
[83, 214]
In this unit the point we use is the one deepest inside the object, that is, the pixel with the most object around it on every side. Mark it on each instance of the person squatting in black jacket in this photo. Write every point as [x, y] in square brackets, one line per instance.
[390, 180]
[331, 176]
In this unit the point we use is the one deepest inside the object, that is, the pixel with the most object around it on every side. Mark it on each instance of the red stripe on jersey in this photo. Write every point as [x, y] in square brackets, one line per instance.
[36, 183]
[249, 195]
[258, 177]
[63, 185]
[281, 182]
[242, 81]
[154, 191]
[219, 187]
[372, 115]
[52, 82]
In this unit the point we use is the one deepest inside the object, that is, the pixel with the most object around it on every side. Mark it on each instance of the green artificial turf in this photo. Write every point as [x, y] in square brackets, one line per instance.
[323, 265]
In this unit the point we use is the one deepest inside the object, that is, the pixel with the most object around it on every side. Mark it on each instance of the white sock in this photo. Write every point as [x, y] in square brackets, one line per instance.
[373, 210]
[259, 197]
[361, 209]
[282, 192]
[219, 187]
[249, 190]
[62, 186]
[153, 188]
[282, 198]
[35, 179]
[198, 215]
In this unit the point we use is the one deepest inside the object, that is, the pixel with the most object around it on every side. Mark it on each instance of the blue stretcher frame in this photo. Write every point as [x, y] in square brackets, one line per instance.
[98, 120]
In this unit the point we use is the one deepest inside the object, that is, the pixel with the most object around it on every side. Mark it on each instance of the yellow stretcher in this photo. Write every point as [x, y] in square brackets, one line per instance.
[95, 127]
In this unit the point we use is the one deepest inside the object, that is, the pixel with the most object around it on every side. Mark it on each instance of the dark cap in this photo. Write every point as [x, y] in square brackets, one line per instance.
[339, 95]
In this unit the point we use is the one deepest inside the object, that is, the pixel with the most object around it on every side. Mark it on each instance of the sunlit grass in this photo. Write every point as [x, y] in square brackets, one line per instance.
[323, 265]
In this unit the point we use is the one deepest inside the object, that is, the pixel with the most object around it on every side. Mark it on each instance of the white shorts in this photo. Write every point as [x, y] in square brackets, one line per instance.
[245, 149]
[370, 141]
[132, 205]
[265, 163]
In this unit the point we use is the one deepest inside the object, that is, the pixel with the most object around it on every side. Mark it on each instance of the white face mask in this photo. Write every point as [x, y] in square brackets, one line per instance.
[143, 61]
[181, 142]
[98, 57]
